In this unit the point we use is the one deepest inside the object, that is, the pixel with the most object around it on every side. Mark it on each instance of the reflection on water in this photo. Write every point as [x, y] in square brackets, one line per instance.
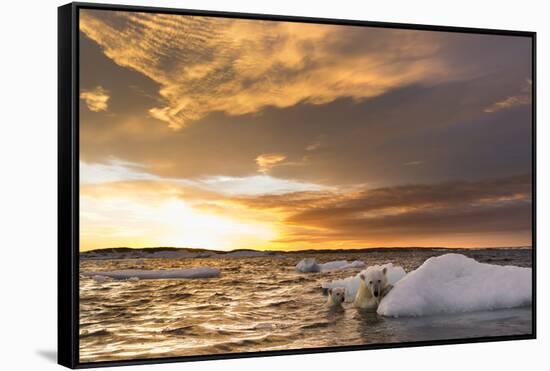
[260, 304]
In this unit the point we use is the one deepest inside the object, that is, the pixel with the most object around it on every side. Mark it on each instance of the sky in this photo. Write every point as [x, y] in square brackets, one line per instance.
[225, 133]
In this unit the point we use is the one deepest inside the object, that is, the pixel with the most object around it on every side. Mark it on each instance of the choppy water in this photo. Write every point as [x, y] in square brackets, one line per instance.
[260, 304]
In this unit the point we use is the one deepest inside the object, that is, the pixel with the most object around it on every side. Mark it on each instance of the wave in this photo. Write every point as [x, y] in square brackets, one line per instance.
[250, 343]
[183, 330]
[90, 334]
[315, 325]
[280, 303]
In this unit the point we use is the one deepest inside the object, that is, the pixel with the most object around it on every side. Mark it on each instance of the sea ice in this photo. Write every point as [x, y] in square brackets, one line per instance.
[310, 265]
[101, 279]
[454, 283]
[195, 272]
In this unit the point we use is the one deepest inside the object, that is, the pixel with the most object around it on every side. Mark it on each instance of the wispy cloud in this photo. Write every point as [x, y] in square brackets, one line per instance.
[267, 161]
[256, 185]
[523, 98]
[117, 171]
[237, 67]
[313, 146]
[112, 171]
[96, 99]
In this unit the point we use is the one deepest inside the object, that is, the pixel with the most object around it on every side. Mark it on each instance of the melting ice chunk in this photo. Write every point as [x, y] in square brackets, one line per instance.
[309, 265]
[195, 272]
[454, 283]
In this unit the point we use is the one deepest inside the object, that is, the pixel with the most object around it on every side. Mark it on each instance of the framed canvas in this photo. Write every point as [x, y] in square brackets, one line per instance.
[242, 185]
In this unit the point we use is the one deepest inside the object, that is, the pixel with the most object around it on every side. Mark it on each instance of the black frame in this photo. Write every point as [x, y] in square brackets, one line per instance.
[68, 182]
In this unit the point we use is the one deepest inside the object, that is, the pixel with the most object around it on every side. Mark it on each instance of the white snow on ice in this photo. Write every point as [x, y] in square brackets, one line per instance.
[196, 272]
[351, 284]
[454, 283]
[310, 265]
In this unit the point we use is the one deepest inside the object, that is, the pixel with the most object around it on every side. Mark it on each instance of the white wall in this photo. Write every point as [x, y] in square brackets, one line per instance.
[28, 181]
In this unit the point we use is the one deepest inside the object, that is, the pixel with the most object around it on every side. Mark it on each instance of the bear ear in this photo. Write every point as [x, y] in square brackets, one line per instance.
[362, 276]
[385, 270]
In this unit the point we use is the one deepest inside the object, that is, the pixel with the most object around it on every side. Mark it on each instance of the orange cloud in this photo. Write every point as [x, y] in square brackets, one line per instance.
[513, 101]
[238, 67]
[267, 161]
[445, 214]
[96, 99]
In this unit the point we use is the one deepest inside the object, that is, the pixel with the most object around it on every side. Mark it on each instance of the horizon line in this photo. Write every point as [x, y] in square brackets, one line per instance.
[305, 249]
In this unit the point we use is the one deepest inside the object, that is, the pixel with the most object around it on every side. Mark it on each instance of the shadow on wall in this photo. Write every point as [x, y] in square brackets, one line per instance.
[50, 355]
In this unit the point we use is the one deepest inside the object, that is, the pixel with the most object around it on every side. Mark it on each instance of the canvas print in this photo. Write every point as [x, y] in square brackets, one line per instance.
[253, 185]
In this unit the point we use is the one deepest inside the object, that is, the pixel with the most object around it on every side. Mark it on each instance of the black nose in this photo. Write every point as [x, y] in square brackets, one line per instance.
[376, 294]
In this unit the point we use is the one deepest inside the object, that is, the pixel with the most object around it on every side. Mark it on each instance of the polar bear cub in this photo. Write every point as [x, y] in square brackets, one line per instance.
[373, 286]
[336, 296]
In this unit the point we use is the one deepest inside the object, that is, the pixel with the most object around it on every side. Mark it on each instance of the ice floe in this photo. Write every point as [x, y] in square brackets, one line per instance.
[454, 283]
[310, 265]
[187, 273]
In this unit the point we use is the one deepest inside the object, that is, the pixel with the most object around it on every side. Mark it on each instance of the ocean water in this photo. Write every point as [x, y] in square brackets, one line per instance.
[260, 304]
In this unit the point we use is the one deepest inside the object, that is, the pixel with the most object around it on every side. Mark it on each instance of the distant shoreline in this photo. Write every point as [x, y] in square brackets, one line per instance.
[196, 249]
[187, 252]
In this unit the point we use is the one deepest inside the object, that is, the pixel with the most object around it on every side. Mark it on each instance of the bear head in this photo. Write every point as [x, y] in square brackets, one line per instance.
[376, 280]
[337, 295]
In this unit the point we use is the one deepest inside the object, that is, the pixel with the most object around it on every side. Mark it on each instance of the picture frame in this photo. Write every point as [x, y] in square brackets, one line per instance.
[69, 229]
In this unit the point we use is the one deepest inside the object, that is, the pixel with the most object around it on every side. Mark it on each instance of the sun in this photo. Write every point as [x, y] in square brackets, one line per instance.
[135, 219]
[187, 226]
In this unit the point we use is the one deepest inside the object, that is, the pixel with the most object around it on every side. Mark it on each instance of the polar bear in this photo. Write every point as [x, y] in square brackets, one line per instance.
[336, 297]
[373, 286]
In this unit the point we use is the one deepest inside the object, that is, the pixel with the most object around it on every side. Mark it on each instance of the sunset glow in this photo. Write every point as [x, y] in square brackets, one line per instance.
[236, 134]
